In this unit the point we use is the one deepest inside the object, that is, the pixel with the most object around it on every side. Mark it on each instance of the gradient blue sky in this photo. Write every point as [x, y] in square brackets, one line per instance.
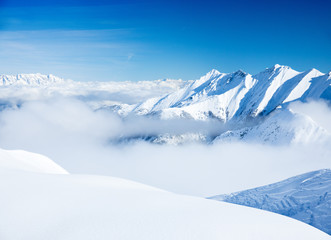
[146, 40]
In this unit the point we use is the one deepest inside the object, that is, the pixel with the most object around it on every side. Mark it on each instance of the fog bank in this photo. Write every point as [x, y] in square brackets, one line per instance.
[78, 139]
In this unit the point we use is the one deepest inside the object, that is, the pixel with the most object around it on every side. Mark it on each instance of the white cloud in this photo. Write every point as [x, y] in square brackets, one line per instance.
[97, 92]
[77, 138]
[318, 111]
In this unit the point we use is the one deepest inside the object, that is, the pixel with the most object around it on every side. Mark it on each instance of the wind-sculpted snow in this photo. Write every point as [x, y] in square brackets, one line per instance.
[305, 197]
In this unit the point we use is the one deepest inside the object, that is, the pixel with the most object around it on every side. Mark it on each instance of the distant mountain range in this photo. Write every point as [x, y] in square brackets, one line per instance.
[30, 80]
[306, 197]
[254, 107]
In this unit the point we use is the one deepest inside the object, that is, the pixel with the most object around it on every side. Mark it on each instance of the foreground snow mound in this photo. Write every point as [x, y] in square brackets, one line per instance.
[27, 161]
[305, 197]
[44, 206]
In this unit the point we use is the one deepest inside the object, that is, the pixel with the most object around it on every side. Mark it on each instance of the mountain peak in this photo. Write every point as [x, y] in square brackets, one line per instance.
[240, 73]
[213, 72]
[314, 71]
[277, 66]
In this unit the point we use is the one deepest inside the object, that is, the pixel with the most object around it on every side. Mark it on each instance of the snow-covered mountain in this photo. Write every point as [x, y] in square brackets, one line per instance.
[305, 197]
[30, 80]
[255, 107]
[239, 95]
[233, 96]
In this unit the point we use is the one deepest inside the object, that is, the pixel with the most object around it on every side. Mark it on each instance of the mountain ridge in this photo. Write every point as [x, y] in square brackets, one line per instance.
[239, 95]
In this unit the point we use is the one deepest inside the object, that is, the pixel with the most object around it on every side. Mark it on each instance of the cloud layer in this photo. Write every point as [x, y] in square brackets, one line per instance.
[79, 139]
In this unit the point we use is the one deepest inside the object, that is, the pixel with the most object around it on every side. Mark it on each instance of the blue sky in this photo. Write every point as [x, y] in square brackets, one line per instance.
[147, 40]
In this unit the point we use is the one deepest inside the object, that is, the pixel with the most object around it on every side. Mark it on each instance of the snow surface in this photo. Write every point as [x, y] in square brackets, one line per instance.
[27, 161]
[53, 206]
[305, 197]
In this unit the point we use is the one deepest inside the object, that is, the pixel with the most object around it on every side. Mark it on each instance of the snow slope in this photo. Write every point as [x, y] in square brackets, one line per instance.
[304, 197]
[38, 206]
